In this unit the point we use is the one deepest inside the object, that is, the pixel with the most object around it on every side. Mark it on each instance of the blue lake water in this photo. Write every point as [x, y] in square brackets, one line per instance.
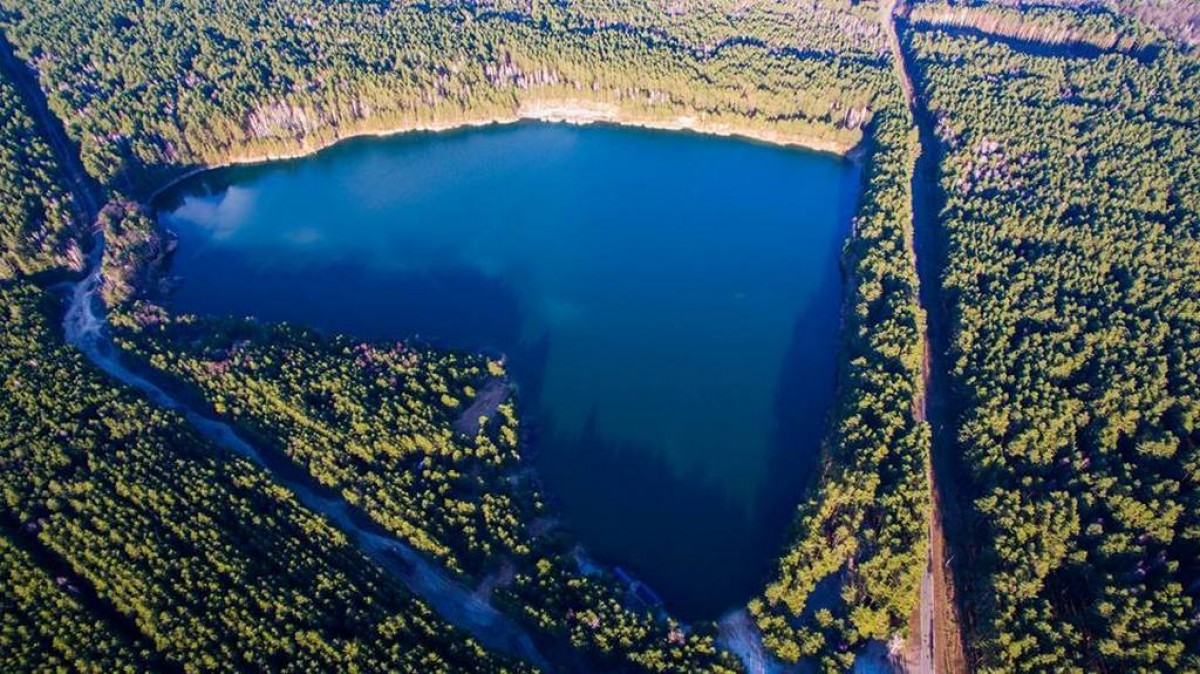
[668, 303]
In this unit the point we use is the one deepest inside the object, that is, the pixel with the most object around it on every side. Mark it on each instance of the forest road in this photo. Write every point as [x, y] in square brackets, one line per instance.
[937, 641]
[88, 195]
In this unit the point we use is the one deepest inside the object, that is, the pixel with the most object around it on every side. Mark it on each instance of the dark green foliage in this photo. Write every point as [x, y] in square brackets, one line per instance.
[36, 216]
[1073, 194]
[1154, 20]
[45, 627]
[564, 598]
[374, 422]
[134, 251]
[281, 78]
[218, 567]
[826, 27]
[1073, 220]
[1099, 26]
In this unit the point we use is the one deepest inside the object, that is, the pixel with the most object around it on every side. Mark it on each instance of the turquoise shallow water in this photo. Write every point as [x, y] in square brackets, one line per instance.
[668, 304]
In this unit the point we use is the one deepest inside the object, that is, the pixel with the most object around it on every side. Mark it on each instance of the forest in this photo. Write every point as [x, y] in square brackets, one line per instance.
[38, 224]
[145, 109]
[195, 551]
[1071, 217]
[447, 494]
[1071, 290]
[46, 628]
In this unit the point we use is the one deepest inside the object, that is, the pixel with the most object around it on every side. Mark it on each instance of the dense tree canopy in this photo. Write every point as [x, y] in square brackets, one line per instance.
[44, 626]
[376, 422]
[150, 88]
[217, 567]
[37, 220]
[1073, 221]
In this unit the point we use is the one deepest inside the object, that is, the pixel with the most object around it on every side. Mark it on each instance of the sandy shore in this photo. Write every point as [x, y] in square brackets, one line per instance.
[564, 111]
[585, 112]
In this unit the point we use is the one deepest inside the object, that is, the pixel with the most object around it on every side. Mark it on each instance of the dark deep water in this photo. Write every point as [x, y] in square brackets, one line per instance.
[669, 305]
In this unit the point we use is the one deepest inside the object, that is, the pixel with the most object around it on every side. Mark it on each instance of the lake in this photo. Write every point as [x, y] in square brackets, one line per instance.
[668, 303]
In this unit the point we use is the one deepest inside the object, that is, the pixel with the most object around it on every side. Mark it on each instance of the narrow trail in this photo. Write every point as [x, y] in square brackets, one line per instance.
[937, 643]
[456, 603]
[737, 633]
[88, 195]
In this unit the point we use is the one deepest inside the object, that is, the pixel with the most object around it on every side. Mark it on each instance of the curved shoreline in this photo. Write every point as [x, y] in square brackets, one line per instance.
[551, 111]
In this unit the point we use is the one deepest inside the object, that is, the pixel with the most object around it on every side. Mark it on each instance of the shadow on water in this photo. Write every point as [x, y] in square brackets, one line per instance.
[805, 396]
[628, 503]
[455, 307]
[623, 499]
[626, 500]
[701, 550]
[804, 400]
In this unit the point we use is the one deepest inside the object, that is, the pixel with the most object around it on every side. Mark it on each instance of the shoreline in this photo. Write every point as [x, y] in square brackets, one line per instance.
[571, 112]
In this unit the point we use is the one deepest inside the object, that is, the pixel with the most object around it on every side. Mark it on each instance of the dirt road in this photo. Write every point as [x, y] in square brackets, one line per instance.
[936, 642]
